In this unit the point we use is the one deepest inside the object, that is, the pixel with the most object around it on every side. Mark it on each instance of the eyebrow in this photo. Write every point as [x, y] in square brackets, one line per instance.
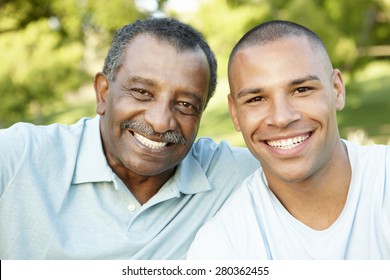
[304, 79]
[141, 80]
[292, 83]
[249, 91]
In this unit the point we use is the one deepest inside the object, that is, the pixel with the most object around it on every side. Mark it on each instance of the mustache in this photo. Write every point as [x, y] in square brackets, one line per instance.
[170, 136]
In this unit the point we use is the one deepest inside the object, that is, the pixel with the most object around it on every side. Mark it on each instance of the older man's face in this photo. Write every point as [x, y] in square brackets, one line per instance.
[150, 114]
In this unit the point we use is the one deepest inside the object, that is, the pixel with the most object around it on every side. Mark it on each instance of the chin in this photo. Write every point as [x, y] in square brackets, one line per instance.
[295, 178]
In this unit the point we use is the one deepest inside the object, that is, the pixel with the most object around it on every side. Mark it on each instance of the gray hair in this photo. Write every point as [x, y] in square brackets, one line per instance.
[180, 35]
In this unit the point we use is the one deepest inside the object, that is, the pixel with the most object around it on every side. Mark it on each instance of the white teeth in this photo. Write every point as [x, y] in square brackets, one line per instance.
[289, 143]
[149, 143]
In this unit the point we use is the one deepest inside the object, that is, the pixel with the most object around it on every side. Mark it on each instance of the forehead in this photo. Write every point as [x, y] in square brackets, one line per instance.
[285, 49]
[149, 56]
[280, 60]
[147, 44]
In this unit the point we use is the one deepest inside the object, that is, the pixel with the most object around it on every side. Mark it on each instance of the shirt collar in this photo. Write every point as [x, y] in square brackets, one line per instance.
[91, 165]
[190, 178]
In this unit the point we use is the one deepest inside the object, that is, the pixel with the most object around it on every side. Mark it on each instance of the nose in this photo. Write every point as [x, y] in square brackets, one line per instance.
[160, 116]
[282, 113]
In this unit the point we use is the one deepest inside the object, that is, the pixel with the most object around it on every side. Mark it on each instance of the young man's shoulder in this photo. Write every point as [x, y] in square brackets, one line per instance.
[368, 153]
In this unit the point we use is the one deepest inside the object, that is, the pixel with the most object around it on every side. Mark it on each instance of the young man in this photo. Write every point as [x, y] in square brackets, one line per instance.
[130, 183]
[316, 196]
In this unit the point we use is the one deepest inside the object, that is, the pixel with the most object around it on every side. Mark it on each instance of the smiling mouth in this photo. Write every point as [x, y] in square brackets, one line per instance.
[289, 143]
[149, 143]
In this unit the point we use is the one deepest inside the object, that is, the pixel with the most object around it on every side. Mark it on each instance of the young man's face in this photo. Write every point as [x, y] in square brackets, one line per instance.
[163, 91]
[284, 98]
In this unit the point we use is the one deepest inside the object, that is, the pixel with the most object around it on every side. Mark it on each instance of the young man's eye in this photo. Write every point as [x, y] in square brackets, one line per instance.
[255, 99]
[302, 90]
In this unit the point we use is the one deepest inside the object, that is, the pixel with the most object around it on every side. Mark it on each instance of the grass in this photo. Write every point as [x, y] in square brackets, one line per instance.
[368, 104]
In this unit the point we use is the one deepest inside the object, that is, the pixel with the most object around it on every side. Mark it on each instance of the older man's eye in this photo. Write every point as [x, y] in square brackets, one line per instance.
[187, 108]
[141, 91]
[141, 94]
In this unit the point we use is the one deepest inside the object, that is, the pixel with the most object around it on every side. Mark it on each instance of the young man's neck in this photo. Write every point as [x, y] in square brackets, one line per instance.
[319, 200]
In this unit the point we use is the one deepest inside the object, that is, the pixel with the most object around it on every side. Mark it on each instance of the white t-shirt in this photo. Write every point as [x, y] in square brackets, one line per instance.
[253, 224]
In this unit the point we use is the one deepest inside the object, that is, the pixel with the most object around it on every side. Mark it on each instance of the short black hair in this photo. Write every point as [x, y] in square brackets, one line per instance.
[276, 29]
[180, 35]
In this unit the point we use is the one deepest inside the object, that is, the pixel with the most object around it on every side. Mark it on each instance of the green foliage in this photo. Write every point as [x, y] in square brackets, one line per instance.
[35, 70]
[368, 103]
[43, 53]
[50, 49]
[113, 14]
[224, 25]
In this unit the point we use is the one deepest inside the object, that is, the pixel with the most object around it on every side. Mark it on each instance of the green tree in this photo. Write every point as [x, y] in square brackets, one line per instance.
[43, 54]
[355, 32]
[52, 48]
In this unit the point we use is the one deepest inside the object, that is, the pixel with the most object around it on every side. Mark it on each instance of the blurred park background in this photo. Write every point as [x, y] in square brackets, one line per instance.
[50, 51]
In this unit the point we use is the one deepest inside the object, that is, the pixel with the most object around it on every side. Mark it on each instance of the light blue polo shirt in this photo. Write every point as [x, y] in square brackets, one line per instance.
[59, 199]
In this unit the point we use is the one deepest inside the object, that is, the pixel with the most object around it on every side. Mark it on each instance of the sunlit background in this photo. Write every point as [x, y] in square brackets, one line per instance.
[50, 51]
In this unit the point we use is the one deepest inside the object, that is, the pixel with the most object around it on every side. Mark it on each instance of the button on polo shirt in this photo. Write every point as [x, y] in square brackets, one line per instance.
[132, 207]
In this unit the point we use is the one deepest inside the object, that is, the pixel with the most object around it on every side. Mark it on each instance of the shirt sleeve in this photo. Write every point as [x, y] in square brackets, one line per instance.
[12, 153]
[211, 243]
[222, 156]
[234, 233]
[221, 237]
[386, 195]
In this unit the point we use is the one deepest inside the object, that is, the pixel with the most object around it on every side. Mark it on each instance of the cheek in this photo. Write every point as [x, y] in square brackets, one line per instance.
[189, 127]
[322, 111]
[249, 120]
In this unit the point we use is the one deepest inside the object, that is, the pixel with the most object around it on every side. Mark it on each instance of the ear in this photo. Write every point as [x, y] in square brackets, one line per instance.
[101, 87]
[233, 112]
[338, 88]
